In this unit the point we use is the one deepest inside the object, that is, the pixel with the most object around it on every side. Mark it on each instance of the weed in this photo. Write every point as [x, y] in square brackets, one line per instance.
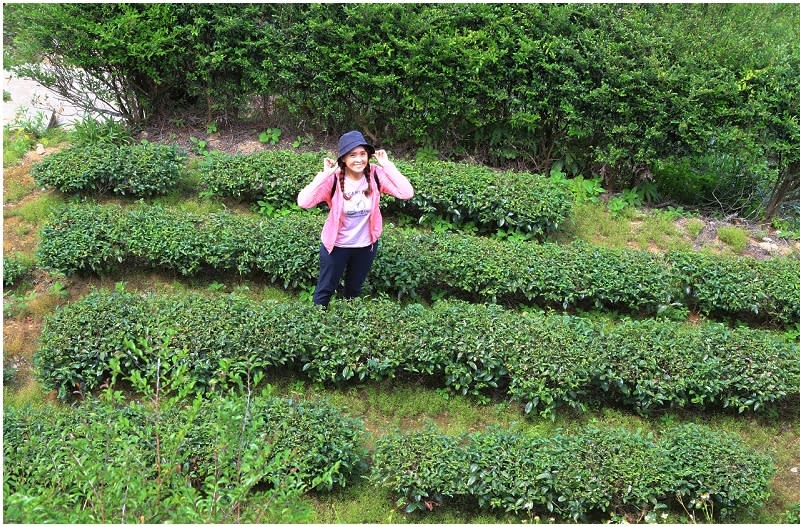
[594, 224]
[303, 140]
[787, 228]
[659, 229]
[16, 143]
[215, 287]
[793, 514]
[358, 503]
[270, 135]
[793, 334]
[90, 131]
[15, 344]
[426, 153]
[269, 210]
[629, 198]
[54, 136]
[16, 190]
[29, 393]
[735, 237]
[200, 145]
[694, 227]
[36, 211]
[584, 190]
[40, 305]
[22, 230]
[34, 123]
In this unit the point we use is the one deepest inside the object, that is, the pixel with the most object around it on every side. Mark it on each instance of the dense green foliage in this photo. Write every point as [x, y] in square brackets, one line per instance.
[14, 268]
[460, 193]
[86, 238]
[544, 361]
[602, 89]
[576, 476]
[111, 461]
[141, 170]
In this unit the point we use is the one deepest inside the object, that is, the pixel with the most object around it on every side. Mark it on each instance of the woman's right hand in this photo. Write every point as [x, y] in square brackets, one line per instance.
[329, 165]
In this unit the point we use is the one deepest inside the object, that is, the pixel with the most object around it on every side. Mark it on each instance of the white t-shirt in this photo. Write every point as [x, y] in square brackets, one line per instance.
[355, 216]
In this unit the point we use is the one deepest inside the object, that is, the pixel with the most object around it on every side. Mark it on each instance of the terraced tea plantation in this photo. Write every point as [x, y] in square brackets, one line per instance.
[490, 374]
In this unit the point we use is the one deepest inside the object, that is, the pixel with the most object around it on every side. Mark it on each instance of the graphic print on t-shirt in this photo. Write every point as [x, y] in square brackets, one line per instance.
[357, 205]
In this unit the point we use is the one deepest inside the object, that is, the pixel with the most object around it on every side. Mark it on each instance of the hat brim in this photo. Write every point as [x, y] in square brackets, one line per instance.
[344, 151]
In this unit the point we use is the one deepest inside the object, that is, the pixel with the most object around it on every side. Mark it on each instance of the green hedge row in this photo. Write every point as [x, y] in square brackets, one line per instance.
[543, 361]
[414, 263]
[577, 475]
[145, 169]
[459, 192]
[204, 448]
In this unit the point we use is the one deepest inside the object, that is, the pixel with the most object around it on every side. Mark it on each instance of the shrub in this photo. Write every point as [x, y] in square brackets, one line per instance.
[14, 269]
[145, 169]
[713, 472]
[543, 361]
[216, 460]
[457, 192]
[739, 287]
[418, 264]
[579, 475]
[323, 447]
[421, 468]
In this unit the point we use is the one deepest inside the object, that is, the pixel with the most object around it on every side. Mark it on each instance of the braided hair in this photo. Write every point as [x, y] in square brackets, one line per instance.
[341, 164]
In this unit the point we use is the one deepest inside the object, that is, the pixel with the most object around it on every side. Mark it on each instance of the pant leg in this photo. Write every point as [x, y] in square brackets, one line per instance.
[331, 269]
[358, 268]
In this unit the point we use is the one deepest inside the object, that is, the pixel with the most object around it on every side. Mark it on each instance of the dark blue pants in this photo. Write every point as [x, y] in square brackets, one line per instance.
[353, 264]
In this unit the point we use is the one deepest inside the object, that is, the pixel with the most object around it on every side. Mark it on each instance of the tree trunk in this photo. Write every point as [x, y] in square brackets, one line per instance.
[788, 184]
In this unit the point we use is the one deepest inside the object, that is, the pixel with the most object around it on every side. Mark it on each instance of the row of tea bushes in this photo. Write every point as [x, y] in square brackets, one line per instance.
[108, 461]
[576, 476]
[542, 361]
[418, 264]
[459, 192]
[141, 170]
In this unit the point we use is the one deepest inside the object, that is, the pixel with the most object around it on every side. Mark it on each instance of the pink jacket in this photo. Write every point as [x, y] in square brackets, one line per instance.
[319, 190]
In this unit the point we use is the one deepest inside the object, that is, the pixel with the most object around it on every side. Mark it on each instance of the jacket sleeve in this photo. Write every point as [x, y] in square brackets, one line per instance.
[393, 182]
[316, 192]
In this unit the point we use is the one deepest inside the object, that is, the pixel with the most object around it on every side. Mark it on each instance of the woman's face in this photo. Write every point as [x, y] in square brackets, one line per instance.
[357, 159]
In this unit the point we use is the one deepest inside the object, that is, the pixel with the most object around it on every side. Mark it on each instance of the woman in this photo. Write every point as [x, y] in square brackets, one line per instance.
[351, 187]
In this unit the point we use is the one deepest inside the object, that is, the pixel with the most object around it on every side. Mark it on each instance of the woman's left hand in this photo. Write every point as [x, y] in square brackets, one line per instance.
[381, 156]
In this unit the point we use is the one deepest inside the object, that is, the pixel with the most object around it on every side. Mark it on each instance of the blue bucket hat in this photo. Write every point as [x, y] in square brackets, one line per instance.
[352, 139]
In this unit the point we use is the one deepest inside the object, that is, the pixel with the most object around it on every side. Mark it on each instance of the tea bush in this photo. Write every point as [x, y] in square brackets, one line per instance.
[111, 461]
[542, 361]
[145, 169]
[580, 475]
[711, 472]
[422, 468]
[458, 192]
[739, 286]
[412, 263]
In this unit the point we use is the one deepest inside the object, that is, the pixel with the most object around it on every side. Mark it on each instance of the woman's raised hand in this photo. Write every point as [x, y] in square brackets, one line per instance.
[381, 156]
[328, 164]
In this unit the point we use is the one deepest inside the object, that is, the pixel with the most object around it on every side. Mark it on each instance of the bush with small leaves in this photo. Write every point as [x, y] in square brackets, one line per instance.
[542, 361]
[139, 170]
[458, 192]
[411, 263]
[579, 476]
